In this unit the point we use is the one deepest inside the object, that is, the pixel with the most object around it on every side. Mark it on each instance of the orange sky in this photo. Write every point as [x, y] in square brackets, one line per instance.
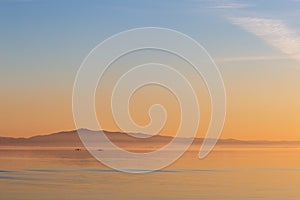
[267, 108]
[257, 49]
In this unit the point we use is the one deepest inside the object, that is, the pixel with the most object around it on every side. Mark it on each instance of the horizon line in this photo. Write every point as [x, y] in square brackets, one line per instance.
[108, 131]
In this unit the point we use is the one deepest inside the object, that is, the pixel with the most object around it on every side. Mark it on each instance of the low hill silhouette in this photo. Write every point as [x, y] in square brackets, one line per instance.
[71, 139]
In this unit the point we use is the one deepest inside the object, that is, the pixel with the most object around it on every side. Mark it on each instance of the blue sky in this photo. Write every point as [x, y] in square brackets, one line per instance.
[43, 42]
[41, 39]
[61, 33]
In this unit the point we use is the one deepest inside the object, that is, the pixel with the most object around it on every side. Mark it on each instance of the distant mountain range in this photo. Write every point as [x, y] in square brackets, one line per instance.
[71, 139]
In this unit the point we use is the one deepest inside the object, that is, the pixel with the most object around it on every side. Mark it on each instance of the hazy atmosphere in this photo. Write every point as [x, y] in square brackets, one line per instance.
[151, 99]
[254, 43]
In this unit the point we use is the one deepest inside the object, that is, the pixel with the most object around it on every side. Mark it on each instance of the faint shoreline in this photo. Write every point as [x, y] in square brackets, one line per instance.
[70, 140]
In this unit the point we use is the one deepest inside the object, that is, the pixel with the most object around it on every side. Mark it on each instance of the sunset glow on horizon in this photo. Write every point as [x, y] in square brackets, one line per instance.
[258, 58]
[149, 99]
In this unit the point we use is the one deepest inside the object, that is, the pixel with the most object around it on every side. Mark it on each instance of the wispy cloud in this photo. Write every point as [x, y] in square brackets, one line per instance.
[253, 58]
[274, 32]
[228, 4]
[225, 5]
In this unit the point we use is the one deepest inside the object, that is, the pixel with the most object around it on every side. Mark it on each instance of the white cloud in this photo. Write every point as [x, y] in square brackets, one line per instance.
[253, 58]
[274, 32]
[230, 6]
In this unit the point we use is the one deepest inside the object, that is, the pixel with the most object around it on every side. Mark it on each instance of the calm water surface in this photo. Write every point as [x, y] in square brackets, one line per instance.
[227, 173]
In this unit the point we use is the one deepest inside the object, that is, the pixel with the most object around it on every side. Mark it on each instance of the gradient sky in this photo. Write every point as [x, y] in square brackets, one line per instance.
[256, 45]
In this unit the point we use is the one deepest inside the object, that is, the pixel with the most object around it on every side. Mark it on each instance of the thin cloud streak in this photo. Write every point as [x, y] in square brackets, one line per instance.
[274, 32]
[231, 6]
[253, 58]
[228, 4]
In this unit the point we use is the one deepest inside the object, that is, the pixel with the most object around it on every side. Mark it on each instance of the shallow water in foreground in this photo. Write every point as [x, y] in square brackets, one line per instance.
[227, 173]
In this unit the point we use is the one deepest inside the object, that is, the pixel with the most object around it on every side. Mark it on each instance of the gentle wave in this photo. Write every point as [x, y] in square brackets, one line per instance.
[33, 171]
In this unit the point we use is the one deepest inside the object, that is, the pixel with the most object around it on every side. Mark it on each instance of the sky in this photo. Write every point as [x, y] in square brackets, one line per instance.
[256, 45]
